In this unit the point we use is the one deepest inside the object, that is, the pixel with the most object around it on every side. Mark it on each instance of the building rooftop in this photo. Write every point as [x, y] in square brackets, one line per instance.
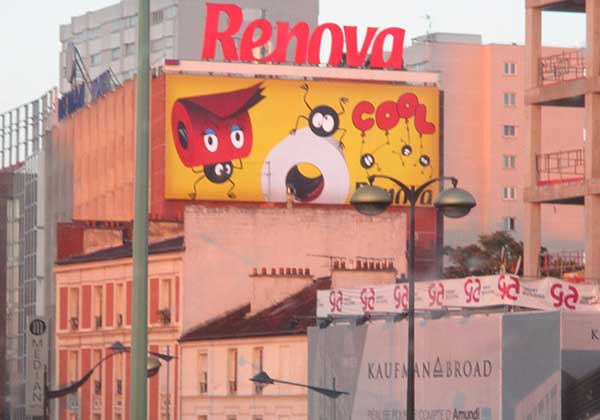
[291, 316]
[125, 251]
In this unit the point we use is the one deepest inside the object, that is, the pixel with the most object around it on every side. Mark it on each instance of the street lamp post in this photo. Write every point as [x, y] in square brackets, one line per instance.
[454, 203]
[152, 368]
[139, 329]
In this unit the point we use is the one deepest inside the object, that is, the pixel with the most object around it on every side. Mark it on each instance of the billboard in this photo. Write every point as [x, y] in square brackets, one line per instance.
[272, 140]
[538, 365]
[457, 369]
[37, 362]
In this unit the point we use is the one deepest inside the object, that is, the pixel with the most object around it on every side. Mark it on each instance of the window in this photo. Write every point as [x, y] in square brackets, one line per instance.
[118, 367]
[96, 59]
[232, 370]
[510, 99]
[509, 130]
[74, 308]
[129, 48]
[509, 193]
[508, 161]
[164, 309]
[96, 357]
[98, 306]
[117, 25]
[156, 45]
[170, 12]
[203, 372]
[157, 17]
[257, 366]
[231, 417]
[115, 53]
[202, 417]
[120, 304]
[508, 224]
[72, 369]
[510, 68]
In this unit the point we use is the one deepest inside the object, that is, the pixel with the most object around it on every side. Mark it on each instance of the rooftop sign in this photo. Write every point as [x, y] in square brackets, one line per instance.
[260, 32]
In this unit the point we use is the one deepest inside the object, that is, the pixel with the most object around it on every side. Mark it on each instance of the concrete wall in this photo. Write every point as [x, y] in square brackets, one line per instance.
[224, 244]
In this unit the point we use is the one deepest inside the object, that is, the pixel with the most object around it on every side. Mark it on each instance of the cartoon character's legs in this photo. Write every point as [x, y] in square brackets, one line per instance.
[230, 193]
[300, 117]
[193, 194]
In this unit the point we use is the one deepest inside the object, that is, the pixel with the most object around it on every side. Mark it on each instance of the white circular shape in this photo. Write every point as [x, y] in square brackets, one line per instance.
[306, 147]
[237, 138]
[211, 142]
[317, 119]
[328, 124]
[219, 169]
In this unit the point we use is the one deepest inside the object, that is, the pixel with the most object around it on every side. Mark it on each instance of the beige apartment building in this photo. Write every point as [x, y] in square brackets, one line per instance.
[485, 138]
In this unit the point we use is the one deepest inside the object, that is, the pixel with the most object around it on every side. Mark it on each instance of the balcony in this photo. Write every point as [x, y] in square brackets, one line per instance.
[568, 65]
[561, 80]
[559, 179]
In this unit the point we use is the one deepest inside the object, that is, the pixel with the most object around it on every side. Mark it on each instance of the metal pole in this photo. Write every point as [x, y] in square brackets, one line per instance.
[168, 416]
[139, 329]
[410, 380]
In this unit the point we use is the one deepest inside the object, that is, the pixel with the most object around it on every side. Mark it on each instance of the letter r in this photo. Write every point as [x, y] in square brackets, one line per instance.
[212, 34]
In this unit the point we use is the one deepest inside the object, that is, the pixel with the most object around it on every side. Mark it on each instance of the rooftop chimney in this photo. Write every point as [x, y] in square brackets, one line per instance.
[279, 284]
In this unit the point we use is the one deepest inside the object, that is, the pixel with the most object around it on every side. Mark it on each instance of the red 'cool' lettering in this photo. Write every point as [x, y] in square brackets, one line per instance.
[389, 113]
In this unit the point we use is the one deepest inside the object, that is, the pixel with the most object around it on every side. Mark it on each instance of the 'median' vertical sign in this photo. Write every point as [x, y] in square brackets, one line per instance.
[37, 360]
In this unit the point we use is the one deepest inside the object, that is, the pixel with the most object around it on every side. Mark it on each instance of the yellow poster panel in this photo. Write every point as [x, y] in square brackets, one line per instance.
[243, 139]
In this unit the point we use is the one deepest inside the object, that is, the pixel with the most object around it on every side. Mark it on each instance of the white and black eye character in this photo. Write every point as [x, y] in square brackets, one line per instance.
[367, 161]
[323, 120]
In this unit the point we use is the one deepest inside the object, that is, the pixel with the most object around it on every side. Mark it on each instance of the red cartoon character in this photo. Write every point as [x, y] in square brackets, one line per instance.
[211, 131]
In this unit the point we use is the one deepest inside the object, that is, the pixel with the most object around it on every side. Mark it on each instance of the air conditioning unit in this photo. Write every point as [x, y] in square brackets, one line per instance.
[119, 320]
[98, 319]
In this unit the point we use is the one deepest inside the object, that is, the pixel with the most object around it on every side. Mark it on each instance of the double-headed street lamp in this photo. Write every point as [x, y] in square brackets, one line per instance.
[152, 367]
[454, 203]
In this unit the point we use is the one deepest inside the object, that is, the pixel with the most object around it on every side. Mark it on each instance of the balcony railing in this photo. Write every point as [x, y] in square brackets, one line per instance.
[558, 264]
[568, 65]
[560, 167]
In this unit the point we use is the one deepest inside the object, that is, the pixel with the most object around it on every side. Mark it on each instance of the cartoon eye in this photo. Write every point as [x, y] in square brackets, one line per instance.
[424, 160]
[317, 119]
[228, 169]
[237, 137]
[210, 140]
[328, 123]
[406, 150]
[219, 169]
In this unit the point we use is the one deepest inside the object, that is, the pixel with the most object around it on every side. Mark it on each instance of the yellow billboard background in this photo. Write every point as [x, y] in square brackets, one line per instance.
[275, 117]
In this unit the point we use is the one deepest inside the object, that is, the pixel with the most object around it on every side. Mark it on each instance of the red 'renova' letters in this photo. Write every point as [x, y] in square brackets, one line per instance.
[308, 46]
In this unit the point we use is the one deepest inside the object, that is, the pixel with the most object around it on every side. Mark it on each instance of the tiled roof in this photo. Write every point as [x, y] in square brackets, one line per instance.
[289, 317]
[124, 251]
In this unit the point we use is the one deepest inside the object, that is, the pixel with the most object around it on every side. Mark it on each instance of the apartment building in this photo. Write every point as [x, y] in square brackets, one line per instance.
[485, 138]
[106, 38]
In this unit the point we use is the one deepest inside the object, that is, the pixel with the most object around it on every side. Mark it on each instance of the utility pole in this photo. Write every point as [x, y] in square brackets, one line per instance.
[139, 329]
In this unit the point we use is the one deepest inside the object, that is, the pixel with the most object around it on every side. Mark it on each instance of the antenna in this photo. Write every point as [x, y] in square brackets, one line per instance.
[428, 19]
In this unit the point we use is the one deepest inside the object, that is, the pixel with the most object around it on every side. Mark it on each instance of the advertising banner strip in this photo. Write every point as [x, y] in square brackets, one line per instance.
[471, 292]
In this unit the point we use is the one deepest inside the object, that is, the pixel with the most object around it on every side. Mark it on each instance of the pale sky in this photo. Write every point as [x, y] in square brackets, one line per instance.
[29, 40]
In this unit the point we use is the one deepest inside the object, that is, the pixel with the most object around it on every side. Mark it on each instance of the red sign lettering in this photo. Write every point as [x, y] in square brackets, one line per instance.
[509, 287]
[336, 299]
[308, 46]
[388, 114]
[367, 298]
[473, 290]
[401, 296]
[437, 292]
[560, 298]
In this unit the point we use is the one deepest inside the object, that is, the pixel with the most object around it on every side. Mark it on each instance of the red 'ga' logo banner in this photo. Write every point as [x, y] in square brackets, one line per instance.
[259, 32]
